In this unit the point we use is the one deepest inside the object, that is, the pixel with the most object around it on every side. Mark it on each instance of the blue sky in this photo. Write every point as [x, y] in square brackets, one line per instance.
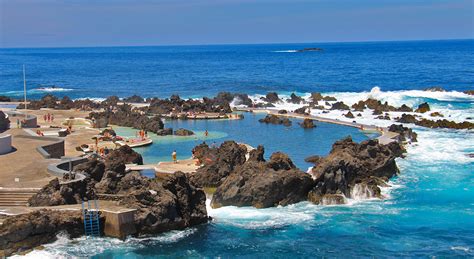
[62, 23]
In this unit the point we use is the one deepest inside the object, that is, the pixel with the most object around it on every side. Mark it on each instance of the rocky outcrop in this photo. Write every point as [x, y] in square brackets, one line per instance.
[123, 115]
[274, 119]
[407, 118]
[218, 162]
[469, 92]
[405, 134]
[308, 124]
[263, 185]
[134, 99]
[434, 89]
[54, 193]
[23, 232]
[183, 132]
[47, 101]
[170, 205]
[354, 170]
[271, 97]
[316, 97]
[378, 106]
[436, 114]
[339, 106]
[313, 159]
[282, 112]
[295, 99]
[329, 99]
[349, 115]
[165, 132]
[302, 110]
[5, 98]
[422, 108]
[4, 122]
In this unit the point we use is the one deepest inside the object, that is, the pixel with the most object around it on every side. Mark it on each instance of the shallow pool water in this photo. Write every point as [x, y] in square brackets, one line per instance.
[297, 142]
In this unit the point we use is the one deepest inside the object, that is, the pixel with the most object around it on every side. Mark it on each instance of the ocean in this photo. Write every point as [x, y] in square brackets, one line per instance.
[428, 210]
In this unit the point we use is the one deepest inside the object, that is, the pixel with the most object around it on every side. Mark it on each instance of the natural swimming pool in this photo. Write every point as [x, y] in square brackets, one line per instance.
[295, 141]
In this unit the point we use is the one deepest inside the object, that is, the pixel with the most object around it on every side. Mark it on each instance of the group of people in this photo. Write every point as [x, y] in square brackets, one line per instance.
[142, 134]
[49, 117]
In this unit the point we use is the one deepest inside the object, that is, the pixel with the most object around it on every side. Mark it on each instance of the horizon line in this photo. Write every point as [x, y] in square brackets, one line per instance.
[233, 44]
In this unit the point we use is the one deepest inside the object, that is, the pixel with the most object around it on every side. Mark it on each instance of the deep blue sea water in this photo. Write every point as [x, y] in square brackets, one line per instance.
[206, 70]
[428, 211]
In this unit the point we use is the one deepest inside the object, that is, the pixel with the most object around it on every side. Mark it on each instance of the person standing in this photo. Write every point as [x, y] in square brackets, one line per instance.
[52, 117]
[174, 157]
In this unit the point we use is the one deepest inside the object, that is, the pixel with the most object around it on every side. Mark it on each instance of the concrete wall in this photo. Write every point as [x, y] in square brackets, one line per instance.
[119, 224]
[5, 144]
[53, 150]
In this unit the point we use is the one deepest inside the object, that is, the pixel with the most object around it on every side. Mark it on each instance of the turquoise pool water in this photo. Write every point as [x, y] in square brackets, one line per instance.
[297, 142]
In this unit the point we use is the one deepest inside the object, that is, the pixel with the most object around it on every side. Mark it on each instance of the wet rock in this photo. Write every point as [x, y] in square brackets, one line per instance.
[282, 112]
[134, 99]
[23, 232]
[434, 89]
[404, 108]
[183, 132]
[256, 155]
[295, 99]
[271, 97]
[218, 162]
[445, 124]
[436, 114]
[273, 119]
[302, 110]
[406, 134]
[5, 99]
[316, 97]
[329, 99]
[165, 132]
[339, 106]
[407, 118]
[308, 124]
[359, 106]
[383, 117]
[349, 115]
[422, 108]
[263, 185]
[377, 112]
[349, 164]
[469, 92]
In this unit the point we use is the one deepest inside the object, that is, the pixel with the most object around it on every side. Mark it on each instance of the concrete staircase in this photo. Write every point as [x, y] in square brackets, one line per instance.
[15, 197]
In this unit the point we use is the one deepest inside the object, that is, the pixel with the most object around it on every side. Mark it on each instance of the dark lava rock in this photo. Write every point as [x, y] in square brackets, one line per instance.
[353, 169]
[273, 119]
[170, 205]
[436, 114]
[271, 97]
[360, 106]
[316, 97]
[134, 99]
[23, 232]
[434, 89]
[445, 124]
[377, 112]
[308, 124]
[4, 122]
[282, 112]
[349, 115]
[309, 50]
[54, 193]
[339, 106]
[407, 118]
[302, 110]
[183, 132]
[47, 101]
[313, 159]
[404, 108]
[295, 99]
[406, 134]
[124, 116]
[383, 117]
[263, 185]
[422, 108]
[329, 99]
[165, 132]
[469, 92]
[218, 162]
[256, 155]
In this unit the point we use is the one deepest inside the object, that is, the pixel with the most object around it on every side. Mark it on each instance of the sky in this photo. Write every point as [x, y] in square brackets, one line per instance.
[84, 23]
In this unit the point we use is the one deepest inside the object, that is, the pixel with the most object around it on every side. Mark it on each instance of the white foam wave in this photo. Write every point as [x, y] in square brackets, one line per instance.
[286, 51]
[52, 89]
